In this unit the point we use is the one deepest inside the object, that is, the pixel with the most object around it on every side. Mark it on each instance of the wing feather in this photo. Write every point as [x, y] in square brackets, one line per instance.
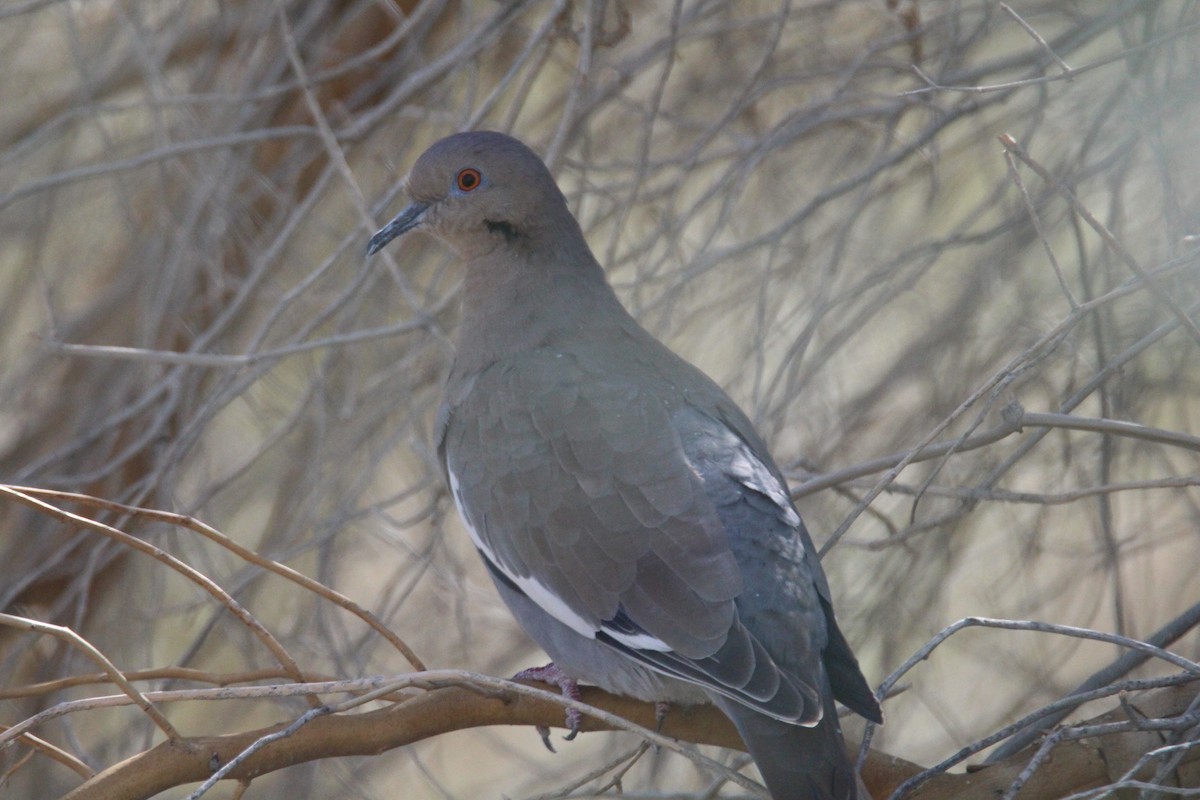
[641, 522]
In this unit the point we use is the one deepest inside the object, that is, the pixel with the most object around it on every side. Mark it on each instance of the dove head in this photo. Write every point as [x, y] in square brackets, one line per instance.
[479, 192]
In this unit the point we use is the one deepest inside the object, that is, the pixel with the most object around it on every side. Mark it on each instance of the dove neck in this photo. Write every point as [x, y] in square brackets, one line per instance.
[523, 302]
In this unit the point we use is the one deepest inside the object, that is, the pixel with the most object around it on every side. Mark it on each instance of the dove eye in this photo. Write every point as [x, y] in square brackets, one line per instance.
[468, 180]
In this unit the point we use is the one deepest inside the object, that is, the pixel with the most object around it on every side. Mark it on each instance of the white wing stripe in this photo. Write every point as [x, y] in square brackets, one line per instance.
[534, 589]
[639, 641]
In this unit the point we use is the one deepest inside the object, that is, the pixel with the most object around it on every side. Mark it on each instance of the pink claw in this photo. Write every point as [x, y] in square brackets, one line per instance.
[570, 689]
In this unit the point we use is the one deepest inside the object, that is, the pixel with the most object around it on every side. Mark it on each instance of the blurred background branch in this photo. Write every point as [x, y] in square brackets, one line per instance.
[879, 223]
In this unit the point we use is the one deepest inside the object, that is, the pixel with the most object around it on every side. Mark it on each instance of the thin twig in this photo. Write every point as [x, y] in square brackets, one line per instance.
[236, 361]
[1016, 420]
[1068, 73]
[39, 745]
[75, 640]
[1151, 282]
[203, 581]
[1035, 218]
[244, 553]
[1190, 667]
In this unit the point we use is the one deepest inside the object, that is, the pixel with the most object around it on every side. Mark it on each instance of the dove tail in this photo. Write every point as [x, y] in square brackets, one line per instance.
[798, 763]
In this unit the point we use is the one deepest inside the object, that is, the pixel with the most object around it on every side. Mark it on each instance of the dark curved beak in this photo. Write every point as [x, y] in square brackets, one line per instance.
[405, 221]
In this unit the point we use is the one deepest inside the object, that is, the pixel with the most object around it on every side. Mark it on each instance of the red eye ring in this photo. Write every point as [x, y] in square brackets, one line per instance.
[468, 180]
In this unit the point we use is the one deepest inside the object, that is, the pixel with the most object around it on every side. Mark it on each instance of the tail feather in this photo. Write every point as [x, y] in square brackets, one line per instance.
[797, 763]
[846, 679]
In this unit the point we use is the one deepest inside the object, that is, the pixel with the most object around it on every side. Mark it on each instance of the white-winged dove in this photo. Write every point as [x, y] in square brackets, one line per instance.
[629, 514]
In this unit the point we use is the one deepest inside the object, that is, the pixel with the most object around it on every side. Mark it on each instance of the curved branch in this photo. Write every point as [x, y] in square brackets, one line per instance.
[432, 714]
[1077, 764]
